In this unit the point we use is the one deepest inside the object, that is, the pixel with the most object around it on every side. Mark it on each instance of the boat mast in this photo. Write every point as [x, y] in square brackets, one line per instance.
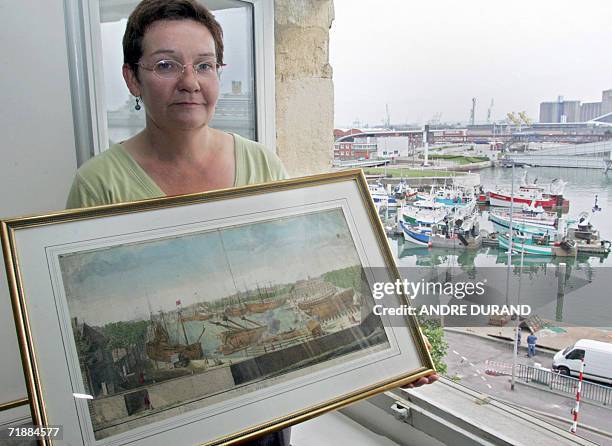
[180, 316]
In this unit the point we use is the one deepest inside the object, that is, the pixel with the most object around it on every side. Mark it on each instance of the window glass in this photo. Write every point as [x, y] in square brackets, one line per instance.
[576, 354]
[235, 110]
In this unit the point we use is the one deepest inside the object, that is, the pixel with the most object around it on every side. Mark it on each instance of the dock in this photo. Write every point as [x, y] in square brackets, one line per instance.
[455, 242]
[603, 247]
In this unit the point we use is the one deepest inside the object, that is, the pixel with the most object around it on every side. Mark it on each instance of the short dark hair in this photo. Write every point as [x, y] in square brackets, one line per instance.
[150, 11]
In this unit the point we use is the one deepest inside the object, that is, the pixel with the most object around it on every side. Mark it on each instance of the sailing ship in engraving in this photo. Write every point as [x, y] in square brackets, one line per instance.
[161, 348]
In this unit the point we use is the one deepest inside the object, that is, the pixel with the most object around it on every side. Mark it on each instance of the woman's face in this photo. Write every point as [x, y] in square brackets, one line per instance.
[187, 102]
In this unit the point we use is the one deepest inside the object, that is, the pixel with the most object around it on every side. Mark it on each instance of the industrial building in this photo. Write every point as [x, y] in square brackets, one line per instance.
[562, 111]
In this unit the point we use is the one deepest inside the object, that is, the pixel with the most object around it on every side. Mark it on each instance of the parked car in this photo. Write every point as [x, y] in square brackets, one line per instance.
[597, 358]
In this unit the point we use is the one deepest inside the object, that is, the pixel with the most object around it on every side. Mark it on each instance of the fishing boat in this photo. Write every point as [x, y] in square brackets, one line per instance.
[530, 194]
[532, 209]
[527, 244]
[404, 192]
[540, 224]
[433, 220]
[503, 198]
[448, 196]
[379, 194]
[555, 187]
[533, 244]
[416, 234]
[582, 229]
[423, 213]
[460, 229]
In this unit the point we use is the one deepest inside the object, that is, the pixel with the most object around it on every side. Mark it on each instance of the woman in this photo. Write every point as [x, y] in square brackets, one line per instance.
[173, 51]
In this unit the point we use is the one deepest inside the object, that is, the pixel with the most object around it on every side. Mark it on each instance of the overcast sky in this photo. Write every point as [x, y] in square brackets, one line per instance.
[424, 57]
[125, 282]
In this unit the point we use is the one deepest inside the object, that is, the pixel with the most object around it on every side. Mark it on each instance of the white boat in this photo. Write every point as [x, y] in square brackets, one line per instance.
[534, 245]
[418, 235]
[422, 228]
[532, 209]
[502, 197]
[448, 196]
[527, 244]
[403, 191]
[529, 194]
[555, 187]
[423, 213]
[540, 224]
[379, 194]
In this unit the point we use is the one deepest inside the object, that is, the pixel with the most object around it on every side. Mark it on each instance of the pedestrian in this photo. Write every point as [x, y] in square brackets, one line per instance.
[147, 402]
[531, 345]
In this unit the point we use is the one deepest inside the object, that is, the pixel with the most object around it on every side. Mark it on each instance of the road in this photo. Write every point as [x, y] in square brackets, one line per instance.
[466, 359]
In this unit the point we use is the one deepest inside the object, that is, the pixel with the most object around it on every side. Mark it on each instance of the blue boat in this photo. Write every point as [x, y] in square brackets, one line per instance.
[419, 235]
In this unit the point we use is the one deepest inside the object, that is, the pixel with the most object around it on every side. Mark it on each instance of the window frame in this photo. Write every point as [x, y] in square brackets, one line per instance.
[84, 47]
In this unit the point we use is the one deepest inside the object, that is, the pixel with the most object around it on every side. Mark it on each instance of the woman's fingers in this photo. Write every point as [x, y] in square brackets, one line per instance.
[422, 381]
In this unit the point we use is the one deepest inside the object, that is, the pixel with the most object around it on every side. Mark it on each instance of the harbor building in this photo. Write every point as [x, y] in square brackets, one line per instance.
[560, 111]
[590, 110]
[606, 101]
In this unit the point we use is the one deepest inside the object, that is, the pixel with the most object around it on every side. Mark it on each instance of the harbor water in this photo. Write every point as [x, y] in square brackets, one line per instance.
[585, 298]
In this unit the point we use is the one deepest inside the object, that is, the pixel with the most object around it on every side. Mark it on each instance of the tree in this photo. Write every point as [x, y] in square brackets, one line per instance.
[126, 334]
[435, 334]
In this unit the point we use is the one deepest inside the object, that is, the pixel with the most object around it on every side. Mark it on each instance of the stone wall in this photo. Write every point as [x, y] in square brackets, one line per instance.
[304, 86]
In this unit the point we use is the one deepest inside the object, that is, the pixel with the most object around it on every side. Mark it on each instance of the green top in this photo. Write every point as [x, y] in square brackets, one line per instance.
[115, 177]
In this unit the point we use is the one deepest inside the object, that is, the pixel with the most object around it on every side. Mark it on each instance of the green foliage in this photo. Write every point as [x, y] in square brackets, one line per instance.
[125, 334]
[349, 277]
[410, 173]
[435, 334]
[461, 159]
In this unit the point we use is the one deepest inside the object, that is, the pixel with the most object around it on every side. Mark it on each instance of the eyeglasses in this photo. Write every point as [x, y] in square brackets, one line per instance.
[171, 69]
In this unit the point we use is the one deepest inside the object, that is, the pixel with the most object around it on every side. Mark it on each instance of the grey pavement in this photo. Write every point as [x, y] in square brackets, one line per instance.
[466, 360]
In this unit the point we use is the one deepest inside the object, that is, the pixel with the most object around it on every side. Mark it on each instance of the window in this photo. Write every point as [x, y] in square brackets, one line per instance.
[103, 107]
[576, 354]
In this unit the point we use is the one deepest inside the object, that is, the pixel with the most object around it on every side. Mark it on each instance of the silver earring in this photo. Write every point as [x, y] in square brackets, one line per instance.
[137, 106]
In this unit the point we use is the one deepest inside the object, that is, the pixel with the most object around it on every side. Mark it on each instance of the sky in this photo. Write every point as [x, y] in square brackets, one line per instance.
[126, 282]
[423, 57]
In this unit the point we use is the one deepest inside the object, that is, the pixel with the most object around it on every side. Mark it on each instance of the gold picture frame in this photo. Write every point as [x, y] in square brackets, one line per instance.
[219, 316]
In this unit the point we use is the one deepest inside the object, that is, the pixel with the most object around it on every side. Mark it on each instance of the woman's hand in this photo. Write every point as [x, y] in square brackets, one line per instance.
[424, 379]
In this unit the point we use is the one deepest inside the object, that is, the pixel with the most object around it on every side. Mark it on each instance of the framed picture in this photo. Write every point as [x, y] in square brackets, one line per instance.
[208, 318]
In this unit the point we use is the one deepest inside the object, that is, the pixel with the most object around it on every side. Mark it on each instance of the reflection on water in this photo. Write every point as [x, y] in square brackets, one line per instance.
[578, 297]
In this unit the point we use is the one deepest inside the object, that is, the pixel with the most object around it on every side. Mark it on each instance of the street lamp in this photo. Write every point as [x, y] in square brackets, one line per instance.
[510, 245]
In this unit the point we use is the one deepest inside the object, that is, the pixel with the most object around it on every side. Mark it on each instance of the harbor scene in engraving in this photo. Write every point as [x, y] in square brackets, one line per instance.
[171, 325]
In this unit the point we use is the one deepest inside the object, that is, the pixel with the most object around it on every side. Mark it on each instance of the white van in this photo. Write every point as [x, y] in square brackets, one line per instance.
[597, 360]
